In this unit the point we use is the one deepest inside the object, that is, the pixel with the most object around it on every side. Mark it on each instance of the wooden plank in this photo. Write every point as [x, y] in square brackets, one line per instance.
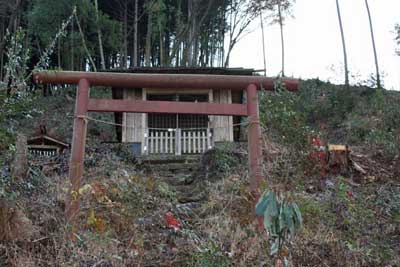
[178, 142]
[158, 142]
[208, 138]
[161, 142]
[42, 146]
[171, 142]
[195, 141]
[203, 140]
[165, 142]
[169, 107]
[198, 141]
[190, 142]
[157, 145]
[152, 141]
[147, 142]
[167, 139]
[196, 138]
[150, 147]
[184, 142]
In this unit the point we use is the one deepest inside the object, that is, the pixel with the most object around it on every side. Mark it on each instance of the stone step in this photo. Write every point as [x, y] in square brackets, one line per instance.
[173, 167]
[169, 159]
[189, 193]
[177, 172]
[177, 180]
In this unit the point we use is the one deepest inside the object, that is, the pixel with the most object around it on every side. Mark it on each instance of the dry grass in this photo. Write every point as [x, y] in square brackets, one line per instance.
[123, 221]
[14, 225]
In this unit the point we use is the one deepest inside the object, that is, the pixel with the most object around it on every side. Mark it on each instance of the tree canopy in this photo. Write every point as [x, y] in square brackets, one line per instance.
[105, 34]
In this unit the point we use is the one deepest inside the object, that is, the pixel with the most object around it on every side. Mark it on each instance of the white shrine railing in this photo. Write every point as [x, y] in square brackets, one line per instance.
[42, 152]
[177, 141]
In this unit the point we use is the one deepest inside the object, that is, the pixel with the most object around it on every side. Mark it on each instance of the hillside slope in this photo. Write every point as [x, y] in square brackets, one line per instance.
[350, 219]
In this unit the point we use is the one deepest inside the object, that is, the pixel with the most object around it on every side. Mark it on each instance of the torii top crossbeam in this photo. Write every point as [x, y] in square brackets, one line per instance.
[167, 81]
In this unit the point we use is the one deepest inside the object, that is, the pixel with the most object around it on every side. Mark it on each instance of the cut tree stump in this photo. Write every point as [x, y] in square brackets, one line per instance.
[338, 159]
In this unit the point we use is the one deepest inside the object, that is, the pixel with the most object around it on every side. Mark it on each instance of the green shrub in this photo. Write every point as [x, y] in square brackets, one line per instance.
[222, 159]
[12, 110]
[324, 102]
[279, 113]
[282, 218]
[358, 128]
[391, 114]
[385, 139]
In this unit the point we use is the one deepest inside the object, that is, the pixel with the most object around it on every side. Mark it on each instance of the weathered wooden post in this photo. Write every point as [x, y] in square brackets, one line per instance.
[19, 170]
[178, 136]
[254, 141]
[77, 152]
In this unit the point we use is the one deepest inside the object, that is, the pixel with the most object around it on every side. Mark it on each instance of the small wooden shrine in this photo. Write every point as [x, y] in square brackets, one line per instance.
[45, 145]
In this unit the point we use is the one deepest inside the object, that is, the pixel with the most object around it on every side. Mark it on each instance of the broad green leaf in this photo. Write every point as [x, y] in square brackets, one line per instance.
[282, 219]
[290, 214]
[298, 216]
[268, 223]
[275, 227]
[272, 208]
[263, 203]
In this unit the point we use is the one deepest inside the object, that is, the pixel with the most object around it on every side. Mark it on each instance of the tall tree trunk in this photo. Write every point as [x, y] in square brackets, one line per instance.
[228, 55]
[378, 78]
[72, 45]
[148, 38]
[263, 44]
[135, 35]
[125, 48]
[161, 47]
[207, 52]
[59, 53]
[17, 15]
[153, 58]
[182, 41]
[2, 49]
[212, 57]
[197, 22]
[84, 45]
[13, 23]
[282, 37]
[231, 39]
[191, 40]
[195, 51]
[189, 45]
[346, 68]
[179, 28]
[1, 65]
[222, 33]
[167, 41]
[178, 53]
[99, 35]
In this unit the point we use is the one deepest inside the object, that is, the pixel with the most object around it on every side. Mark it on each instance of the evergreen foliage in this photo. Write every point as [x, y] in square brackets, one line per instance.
[125, 33]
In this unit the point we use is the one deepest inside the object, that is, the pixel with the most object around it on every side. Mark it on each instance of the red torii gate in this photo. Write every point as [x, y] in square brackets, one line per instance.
[85, 104]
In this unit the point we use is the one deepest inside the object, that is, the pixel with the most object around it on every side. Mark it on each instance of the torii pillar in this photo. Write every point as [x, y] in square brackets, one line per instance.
[254, 141]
